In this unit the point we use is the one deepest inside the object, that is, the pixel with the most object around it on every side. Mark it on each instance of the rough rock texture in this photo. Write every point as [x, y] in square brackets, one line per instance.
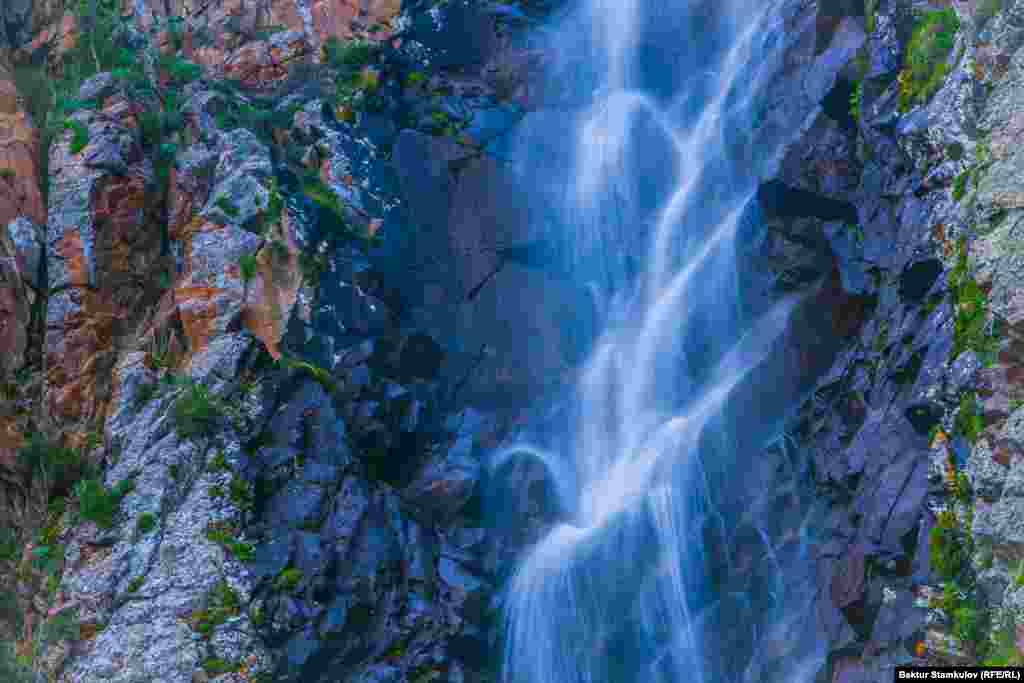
[906, 429]
[285, 308]
[244, 372]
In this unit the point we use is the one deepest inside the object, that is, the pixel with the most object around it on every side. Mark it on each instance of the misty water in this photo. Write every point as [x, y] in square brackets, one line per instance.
[648, 174]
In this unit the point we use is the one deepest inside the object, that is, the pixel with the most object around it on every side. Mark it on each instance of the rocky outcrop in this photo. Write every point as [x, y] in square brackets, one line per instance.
[906, 430]
[257, 400]
[287, 281]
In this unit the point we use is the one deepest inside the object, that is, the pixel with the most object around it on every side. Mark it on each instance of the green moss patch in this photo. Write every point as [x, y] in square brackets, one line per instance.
[969, 422]
[98, 504]
[947, 551]
[226, 537]
[925, 60]
[196, 411]
[288, 580]
[223, 603]
[146, 523]
[79, 135]
[970, 327]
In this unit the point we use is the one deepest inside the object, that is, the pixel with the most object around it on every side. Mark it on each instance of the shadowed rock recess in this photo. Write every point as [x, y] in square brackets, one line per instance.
[272, 295]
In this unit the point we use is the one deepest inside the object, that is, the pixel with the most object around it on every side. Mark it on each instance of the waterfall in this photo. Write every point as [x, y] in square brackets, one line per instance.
[647, 189]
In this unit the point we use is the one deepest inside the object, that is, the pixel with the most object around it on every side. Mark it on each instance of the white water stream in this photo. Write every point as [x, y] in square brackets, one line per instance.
[619, 591]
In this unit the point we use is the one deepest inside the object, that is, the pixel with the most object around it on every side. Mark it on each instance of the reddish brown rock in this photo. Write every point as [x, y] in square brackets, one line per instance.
[273, 294]
[101, 265]
[19, 154]
[208, 301]
[344, 19]
[264, 63]
[21, 201]
[197, 307]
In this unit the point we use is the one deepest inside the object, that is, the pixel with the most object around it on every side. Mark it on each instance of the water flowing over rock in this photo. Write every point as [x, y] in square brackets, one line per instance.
[549, 341]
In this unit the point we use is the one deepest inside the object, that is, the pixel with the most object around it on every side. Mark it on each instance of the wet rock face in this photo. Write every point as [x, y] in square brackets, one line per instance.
[389, 578]
[330, 517]
[898, 455]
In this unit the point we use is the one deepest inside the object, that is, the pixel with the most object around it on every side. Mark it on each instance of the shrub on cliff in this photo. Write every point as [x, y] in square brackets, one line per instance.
[52, 464]
[946, 552]
[98, 504]
[925, 60]
[11, 669]
[196, 411]
[971, 328]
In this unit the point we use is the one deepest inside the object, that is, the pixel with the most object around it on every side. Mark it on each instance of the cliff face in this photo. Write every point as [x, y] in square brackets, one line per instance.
[912, 430]
[260, 326]
[238, 243]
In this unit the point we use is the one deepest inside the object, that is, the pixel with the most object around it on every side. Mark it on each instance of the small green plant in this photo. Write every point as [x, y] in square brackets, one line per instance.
[216, 666]
[224, 536]
[144, 393]
[47, 558]
[222, 603]
[216, 491]
[960, 185]
[971, 306]
[146, 523]
[353, 54]
[325, 199]
[946, 551]
[239, 493]
[969, 423]
[441, 122]
[415, 79]
[50, 461]
[98, 504]
[79, 135]
[14, 668]
[1004, 651]
[247, 267]
[321, 375]
[870, 15]
[966, 623]
[272, 212]
[962, 488]
[225, 205]
[963, 612]
[857, 232]
[7, 173]
[288, 580]
[925, 61]
[196, 411]
[856, 100]
[136, 583]
[181, 70]
[218, 463]
[1018, 576]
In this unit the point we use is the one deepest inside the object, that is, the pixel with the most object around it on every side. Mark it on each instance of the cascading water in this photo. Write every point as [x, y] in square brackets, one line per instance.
[621, 590]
